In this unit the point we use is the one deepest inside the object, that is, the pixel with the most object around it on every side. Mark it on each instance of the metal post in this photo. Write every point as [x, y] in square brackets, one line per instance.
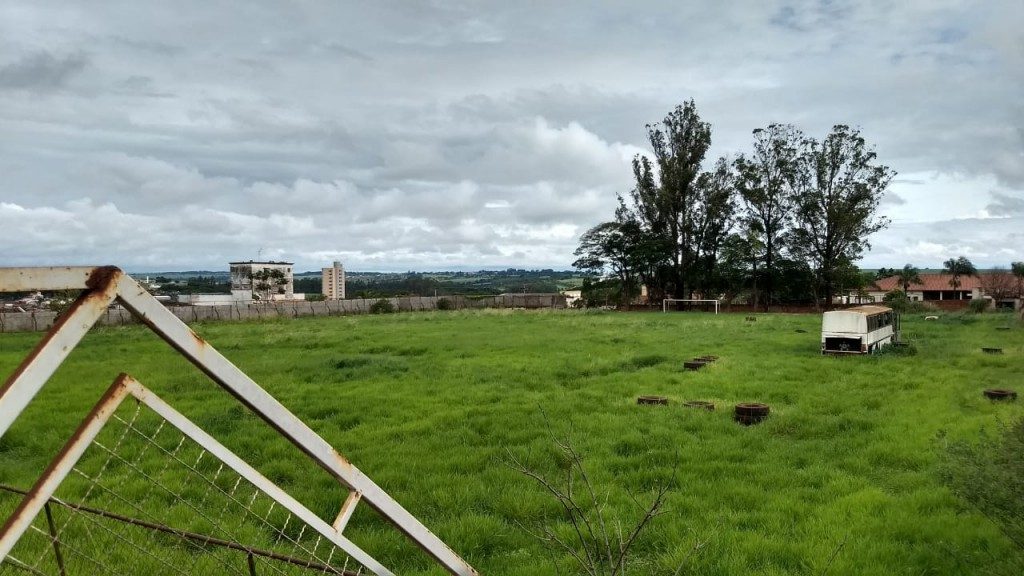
[55, 538]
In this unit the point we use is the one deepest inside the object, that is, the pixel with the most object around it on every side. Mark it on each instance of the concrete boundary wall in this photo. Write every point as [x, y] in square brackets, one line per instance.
[42, 320]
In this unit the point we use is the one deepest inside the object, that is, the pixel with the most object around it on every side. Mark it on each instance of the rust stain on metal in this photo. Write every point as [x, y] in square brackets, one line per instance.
[198, 339]
[103, 277]
[344, 463]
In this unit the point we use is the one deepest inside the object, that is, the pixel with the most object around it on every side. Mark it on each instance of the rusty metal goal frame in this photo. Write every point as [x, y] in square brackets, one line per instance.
[106, 285]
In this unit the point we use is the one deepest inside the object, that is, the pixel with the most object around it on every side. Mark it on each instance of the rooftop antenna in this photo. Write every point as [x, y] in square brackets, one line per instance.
[259, 255]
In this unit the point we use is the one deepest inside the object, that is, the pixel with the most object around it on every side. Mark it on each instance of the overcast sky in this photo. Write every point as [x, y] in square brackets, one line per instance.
[402, 135]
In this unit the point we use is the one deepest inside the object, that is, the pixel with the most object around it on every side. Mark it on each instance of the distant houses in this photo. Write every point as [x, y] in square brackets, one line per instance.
[932, 287]
[938, 289]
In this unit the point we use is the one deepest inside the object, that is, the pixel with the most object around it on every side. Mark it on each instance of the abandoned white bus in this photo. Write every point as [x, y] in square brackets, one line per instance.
[859, 330]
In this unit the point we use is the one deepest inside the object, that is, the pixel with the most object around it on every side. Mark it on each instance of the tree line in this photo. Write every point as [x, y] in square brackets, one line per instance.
[482, 283]
[782, 222]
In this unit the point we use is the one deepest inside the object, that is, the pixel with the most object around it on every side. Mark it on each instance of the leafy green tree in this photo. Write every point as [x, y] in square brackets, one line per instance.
[713, 218]
[765, 183]
[958, 267]
[738, 268]
[884, 273]
[606, 248]
[309, 285]
[898, 301]
[907, 276]
[268, 281]
[678, 207]
[382, 306]
[838, 187]
[795, 281]
[849, 278]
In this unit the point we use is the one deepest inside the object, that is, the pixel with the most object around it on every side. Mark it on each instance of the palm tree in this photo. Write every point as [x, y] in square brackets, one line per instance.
[958, 267]
[909, 275]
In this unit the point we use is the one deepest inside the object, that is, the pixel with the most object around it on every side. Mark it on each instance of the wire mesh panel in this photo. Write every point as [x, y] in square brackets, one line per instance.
[102, 286]
[147, 498]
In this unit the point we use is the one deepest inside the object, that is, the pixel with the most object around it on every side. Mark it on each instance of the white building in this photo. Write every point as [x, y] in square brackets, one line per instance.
[262, 280]
[333, 283]
[208, 299]
[572, 296]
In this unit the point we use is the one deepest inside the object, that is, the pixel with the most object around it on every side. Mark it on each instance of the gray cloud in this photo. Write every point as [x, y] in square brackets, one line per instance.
[892, 199]
[441, 134]
[41, 71]
[1007, 204]
[341, 49]
[986, 241]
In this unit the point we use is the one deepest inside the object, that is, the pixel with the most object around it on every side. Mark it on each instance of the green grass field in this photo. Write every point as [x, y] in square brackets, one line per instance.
[842, 478]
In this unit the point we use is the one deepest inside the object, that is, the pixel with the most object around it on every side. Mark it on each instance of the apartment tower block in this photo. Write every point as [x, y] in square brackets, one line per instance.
[333, 285]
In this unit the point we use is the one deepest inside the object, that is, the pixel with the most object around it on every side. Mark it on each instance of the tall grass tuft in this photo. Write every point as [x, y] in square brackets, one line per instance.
[989, 473]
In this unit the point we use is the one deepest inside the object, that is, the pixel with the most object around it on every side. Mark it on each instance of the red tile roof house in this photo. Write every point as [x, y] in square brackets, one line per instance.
[932, 288]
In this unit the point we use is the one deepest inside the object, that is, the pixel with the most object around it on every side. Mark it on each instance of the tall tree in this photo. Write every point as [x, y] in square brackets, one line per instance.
[713, 218]
[838, 189]
[958, 267]
[907, 276]
[678, 206]
[765, 183]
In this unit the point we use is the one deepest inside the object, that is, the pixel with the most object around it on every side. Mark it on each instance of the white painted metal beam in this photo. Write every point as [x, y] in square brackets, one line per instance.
[59, 341]
[347, 509]
[51, 278]
[61, 466]
[222, 371]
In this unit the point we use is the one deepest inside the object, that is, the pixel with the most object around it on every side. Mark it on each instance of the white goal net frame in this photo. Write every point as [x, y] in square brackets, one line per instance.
[665, 302]
[106, 285]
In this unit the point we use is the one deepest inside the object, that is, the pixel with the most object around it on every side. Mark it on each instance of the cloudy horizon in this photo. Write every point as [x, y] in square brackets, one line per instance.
[475, 135]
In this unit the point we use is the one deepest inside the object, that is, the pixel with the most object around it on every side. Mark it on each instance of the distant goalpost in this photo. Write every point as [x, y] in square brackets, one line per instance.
[664, 303]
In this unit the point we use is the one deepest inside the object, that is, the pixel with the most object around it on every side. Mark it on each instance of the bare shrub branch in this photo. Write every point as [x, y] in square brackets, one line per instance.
[599, 544]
